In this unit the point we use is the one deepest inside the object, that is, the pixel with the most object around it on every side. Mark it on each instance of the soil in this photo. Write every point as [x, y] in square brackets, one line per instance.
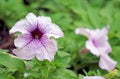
[6, 40]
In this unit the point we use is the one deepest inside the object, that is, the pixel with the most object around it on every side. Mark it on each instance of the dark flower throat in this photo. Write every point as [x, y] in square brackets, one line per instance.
[36, 34]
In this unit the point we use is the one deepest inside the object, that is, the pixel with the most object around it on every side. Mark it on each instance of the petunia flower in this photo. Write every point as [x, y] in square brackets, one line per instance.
[37, 37]
[93, 77]
[98, 45]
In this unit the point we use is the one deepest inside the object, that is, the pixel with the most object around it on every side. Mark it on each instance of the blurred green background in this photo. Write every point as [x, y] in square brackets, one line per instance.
[70, 14]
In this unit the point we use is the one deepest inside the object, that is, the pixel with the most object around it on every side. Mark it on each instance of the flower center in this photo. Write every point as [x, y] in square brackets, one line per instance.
[36, 34]
[95, 42]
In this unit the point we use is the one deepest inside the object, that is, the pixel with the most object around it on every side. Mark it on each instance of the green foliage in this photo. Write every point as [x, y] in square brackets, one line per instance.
[68, 14]
[62, 59]
[111, 74]
[116, 55]
[9, 64]
[62, 73]
[11, 11]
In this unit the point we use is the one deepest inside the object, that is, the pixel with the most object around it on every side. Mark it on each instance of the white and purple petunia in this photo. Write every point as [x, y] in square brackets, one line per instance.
[98, 45]
[37, 37]
[93, 77]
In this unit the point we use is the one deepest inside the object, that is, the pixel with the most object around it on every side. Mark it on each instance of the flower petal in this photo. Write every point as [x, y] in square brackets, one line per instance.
[47, 49]
[32, 19]
[44, 19]
[22, 40]
[83, 31]
[93, 77]
[54, 31]
[48, 28]
[107, 63]
[100, 35]
[26, 52]
[104, 47]
[26, 25]
[19, 27]
[92, 48]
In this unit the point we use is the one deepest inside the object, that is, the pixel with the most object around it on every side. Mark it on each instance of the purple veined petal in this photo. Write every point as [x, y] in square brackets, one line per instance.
[93, 77]
[105, 48]
[83, 31]
[90, 45]
[32, 19]
[44, 19]
[26, 52]
[22, 40]
[54, 31]
[47, 49]
[107, 63]
[42, 54]
[43, 23]
[19, 27]
[100, 35]
[49, 28]
[26, 25]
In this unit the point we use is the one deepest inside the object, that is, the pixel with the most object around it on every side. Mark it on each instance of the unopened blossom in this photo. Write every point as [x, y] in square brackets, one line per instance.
[93, 77]
[37, 37]
[98, 45]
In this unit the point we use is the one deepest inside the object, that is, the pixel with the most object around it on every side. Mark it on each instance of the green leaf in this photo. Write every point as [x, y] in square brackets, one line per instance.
[80, 76]
[11, 62]
[62, 73]
[116, 54]
[1, 51]
[94, 17]
[111, 74]
[62, 59]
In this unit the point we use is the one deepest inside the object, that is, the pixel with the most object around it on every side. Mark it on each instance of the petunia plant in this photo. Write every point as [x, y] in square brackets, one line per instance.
[31, 51]
[36, 54]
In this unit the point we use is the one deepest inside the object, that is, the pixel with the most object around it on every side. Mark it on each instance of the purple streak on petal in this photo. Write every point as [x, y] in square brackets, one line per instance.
[49, 46]
[49, 28]
[26, 25]
[22, 40]
[26, 52]
[90, 45]
[105, 48]
[100, 36]
[32, 19]
[43, 23]
[44, 48]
